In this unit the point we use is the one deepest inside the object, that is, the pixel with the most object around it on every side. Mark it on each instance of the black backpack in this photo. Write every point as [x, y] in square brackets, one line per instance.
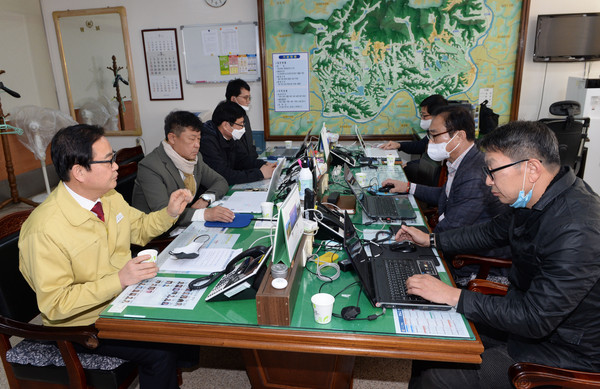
[488, 120]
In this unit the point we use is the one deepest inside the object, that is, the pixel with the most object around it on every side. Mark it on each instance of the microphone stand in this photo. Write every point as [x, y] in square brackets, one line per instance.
[10, 171]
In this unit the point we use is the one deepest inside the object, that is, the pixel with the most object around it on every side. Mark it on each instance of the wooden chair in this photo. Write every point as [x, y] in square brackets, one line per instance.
[485, 263]
[526, 375]
[130, 154]
[29, 364]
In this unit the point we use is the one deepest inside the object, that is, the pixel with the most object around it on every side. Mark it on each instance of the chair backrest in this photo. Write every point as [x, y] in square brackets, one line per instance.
[126, 179]
[571, 134]
[17, 299]
[430, 172]
[130, 154]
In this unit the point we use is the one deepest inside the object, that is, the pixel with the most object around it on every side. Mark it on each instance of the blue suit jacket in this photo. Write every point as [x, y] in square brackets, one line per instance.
[470, 200]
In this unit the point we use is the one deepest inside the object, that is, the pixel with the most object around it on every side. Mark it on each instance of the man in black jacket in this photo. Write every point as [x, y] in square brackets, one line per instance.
[238, 91]
[551, 313]
[222, 151]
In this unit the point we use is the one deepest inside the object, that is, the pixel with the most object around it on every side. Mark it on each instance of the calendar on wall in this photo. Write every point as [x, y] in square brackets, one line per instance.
[162, 64]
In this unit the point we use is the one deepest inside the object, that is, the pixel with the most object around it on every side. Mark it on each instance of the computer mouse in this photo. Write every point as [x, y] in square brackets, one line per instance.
[386, 188]
[405, 247]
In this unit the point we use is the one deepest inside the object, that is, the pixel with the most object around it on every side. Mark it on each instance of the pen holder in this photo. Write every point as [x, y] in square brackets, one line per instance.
[274, 307]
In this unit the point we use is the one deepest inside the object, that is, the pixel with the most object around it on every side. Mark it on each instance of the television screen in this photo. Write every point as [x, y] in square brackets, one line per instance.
[567, 37]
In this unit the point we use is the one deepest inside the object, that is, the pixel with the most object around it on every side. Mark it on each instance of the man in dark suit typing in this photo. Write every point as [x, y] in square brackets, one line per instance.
[464, 199]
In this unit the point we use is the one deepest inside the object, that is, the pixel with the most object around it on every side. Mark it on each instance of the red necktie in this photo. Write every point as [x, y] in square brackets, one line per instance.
[97, 209]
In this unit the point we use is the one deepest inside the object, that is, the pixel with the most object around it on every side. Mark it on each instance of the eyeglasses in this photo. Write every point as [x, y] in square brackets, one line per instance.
[431, 136]
[112, 160]
[247, 98]
[237, 124]
[490, 172]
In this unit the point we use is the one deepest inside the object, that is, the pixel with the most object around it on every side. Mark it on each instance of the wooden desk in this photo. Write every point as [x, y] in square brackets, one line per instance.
[303, 355]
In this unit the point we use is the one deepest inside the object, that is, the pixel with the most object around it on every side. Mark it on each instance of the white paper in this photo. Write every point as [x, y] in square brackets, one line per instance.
[245, 202]
[210, 42]
[208, 261]
[158, 292]
[290, 82]
[230, 43]
[430, 322]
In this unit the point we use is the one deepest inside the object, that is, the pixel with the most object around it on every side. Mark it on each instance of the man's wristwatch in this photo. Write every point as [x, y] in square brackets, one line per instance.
[432, 240]
[207, 197]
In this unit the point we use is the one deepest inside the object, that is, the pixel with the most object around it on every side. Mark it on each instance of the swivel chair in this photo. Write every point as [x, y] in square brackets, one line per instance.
[571, 133]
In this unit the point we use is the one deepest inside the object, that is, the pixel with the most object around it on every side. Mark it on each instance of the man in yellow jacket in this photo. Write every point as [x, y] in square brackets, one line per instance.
[75, 247]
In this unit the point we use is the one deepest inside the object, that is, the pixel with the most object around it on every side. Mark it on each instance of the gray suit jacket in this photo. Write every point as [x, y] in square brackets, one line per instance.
[157, 178]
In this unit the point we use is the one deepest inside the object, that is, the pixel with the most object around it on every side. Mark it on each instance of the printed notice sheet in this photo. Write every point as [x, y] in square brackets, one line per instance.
[431, 323]
[158, 292]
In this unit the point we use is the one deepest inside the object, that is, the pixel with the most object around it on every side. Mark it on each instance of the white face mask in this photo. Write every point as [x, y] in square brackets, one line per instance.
[425, 124]
[237, 134]
[438, 152]
[245, 107]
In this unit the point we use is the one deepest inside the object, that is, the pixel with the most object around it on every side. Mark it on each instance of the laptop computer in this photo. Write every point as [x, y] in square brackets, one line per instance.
[373, 152]
[294, 152]
[384, 276]
[249, 201]
[392, 207]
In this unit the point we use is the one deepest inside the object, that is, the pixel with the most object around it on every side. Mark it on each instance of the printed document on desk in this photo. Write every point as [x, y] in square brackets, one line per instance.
[430, 323]
[208, 261]
[245, 201]
[158, 292]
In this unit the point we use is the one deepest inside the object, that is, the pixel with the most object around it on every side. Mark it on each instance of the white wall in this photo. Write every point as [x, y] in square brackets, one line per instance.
[144, 14]
[25, 56]
[558, 73]
[148, 14]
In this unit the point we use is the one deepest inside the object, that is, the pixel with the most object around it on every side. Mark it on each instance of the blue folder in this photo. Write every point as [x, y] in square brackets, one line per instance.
[241, 220]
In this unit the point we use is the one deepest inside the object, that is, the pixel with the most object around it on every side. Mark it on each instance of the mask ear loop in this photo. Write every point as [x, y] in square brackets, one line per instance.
[449, 152]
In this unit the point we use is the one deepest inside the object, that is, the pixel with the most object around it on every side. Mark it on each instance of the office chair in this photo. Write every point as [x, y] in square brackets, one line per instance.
[571, 133]
[127, 159]
[46, 357]
[524, 375]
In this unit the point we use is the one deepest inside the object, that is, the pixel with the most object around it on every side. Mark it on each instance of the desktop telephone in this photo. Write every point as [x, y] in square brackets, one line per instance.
[331, 224]
[251, 259]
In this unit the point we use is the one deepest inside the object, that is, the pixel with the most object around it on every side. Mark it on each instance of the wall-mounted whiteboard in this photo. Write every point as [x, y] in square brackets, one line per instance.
[221, 52]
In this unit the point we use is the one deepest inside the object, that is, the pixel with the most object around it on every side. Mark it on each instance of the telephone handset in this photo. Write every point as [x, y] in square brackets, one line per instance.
[251, 258]
[331, 225]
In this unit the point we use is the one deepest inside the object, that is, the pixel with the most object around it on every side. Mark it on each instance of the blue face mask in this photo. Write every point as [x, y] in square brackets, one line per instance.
[522, 199]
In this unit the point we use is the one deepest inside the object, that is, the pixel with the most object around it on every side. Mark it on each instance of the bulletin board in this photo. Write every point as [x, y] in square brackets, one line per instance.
[221, 52]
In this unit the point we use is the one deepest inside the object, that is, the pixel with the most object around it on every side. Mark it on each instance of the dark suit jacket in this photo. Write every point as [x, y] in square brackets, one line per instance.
[470, 200]
[229, 158]
[247, 141]
[157, 178]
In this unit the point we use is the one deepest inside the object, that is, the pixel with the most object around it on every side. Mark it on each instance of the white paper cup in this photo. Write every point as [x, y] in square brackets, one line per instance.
[153, 255]
[267, 209]
[288, 144]
[323, 306]
[361, 178]
[391, 160]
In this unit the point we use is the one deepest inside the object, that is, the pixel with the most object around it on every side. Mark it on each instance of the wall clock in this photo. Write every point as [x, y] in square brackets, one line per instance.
[215, 3]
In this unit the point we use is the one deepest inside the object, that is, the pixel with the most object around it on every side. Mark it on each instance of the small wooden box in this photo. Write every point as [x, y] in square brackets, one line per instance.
[274, 307]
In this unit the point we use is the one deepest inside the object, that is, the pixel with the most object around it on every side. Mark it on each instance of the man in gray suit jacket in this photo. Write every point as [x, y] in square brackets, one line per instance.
[175, 164]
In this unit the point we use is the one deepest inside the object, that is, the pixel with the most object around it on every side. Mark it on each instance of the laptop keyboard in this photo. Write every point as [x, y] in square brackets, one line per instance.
[383, 206]
[398, 272]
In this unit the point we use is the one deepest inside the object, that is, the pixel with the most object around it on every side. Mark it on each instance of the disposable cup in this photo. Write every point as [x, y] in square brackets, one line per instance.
[391, 160]
[153, 254]
[267, 209]
[361, 178]
[323, 306]
[288, 144]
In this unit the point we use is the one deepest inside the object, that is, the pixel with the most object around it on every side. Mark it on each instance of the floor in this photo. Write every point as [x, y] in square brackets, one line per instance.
[224, 367]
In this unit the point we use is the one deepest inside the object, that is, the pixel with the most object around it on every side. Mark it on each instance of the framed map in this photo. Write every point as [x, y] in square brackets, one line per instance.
[369, 63]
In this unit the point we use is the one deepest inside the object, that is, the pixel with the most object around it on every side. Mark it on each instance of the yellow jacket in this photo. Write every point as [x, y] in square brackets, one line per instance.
[71, 259]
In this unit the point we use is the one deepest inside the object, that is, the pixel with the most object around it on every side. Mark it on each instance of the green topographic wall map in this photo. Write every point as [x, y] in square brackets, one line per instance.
[372, 62]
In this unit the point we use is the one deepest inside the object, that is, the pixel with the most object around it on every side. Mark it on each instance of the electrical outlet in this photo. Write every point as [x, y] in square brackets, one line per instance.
[138, 141]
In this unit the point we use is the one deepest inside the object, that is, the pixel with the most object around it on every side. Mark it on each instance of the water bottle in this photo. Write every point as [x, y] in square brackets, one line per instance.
[305, 179]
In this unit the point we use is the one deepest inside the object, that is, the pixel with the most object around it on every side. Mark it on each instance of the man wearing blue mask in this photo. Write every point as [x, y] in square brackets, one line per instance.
[464, 199]
[551, 313]
[222, 150]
